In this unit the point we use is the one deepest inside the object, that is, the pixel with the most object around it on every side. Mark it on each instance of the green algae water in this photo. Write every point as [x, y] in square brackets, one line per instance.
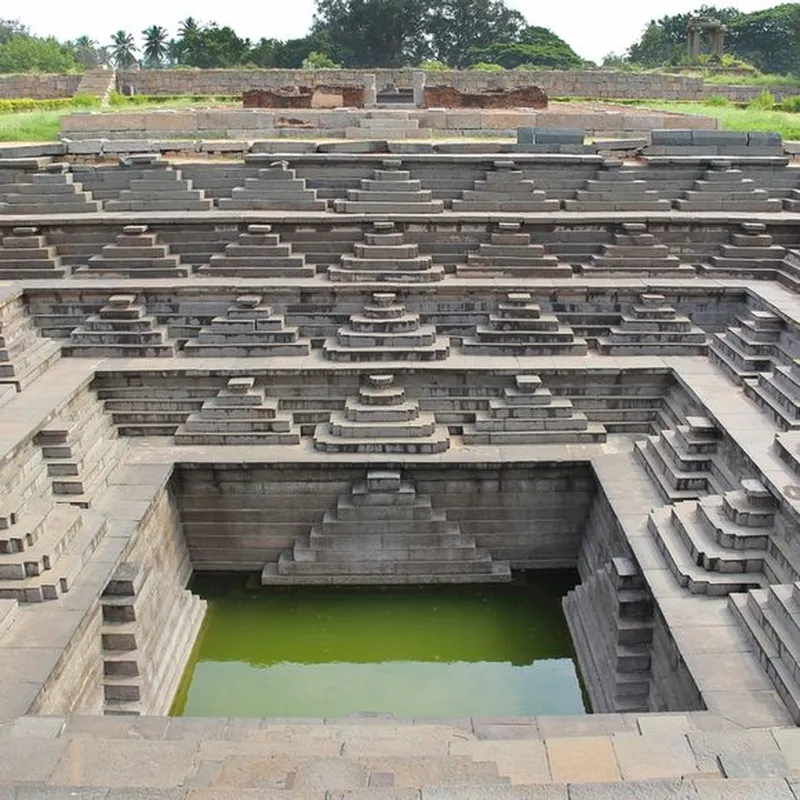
[430, 651]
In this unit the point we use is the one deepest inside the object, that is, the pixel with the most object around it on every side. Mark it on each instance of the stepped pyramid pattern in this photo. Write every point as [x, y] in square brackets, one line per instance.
[610, 619]
[121, 329]
[24, 354]
[157, 186]
[391, 124]
[258, 253]
[505, 189]
[146, 636]
[615, 188]
[275, 187]
[81, 449]
[746, 349]
[723, 188]
[384, 256]
[653, 328]
[24, 253]
[527, 413]
[52, 190]
[249, 328]
[721, 544]
[391, 190]
[778, 393]
[381, 420]
[386, 331]
[682, 463]
[239, 414]
[510, 252]
[135, 254]
[519, 327]
[770, 618]
[750, 250]
[635, 251]
[383, 532]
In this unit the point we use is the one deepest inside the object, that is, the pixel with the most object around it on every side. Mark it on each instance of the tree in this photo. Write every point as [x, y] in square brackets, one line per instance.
[89, 54]
[188, 27]
[767, 39]
[123, 50]
[550, 53]
[11, 27]
[315, 60]
[455, 26]
[155, 46]
[264, 53]
[23, 53]
[212, 47]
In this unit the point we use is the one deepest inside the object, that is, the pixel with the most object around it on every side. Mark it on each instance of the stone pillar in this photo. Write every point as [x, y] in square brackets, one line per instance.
[718, 40]
[418, 82]
[370, 91]
[693, 43]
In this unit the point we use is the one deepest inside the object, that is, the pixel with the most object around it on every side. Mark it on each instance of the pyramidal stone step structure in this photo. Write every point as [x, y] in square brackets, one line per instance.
[748, 348]
[386, 331]
[654, 328]
[275, 187]
[134, 254]
[527, 413]
[505, 189]
[390, 124]
[24, 354]
[717, 545]
[25, 254]
[635, 251]
[258, 253]
[519, 327]
[391, 190]
[249, 328]
[615, 188]
[723, 188]
[121, 329]
[384, 256]
[383, 532]
[381, 420]
[51, 190]
[157, 186]
[682, 463]
[240, 414]
[510, 252]
[750, 251]
[778, 393]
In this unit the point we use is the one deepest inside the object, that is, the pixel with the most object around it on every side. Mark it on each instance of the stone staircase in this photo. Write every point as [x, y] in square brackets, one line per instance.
[718, 545]
[24, 354]
[778, 393]
[239, 414]
[770, 618]
[97, 83]
[654, 328]
[682, 463]
[527, 413]
[519, 327]
[390, 124]
[747, 349]
[249, 328]
[134, 254]
[157, 186]
[723, 188]
[25, 254]
[381, 420]
[609, 616]
[121, 329]
[386, 331]
[615, 188]
[383, 257]
[275, 187]
[751, 251]
[505, 188]
[510, 253]
[258, 253]
[391, 190]
[634, 251]
[51, 190]
[383, 532]
[145, 623]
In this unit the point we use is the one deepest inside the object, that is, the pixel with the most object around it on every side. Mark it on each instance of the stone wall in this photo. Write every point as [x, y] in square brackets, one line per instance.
[38, 87]
[450, 97]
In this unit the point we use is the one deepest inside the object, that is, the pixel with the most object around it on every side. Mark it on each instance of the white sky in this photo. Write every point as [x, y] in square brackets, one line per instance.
[594, 28]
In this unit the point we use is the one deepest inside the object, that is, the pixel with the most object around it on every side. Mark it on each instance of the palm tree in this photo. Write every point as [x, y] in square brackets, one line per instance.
[187, 27]
[123, 50]
[87, 52]
[155, 46]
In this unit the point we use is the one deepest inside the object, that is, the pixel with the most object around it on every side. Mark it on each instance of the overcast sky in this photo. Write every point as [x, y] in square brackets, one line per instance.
[594, 28]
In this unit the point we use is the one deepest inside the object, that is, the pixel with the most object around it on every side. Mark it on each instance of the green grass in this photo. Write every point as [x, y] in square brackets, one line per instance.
[30, 126]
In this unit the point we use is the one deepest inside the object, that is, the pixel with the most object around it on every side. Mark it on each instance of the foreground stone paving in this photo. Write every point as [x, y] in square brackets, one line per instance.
[342, 368]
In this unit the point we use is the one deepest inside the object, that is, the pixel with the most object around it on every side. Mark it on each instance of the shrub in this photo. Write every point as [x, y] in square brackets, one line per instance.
[485, 66]
[717, 100]
[52, 104]
[433, 65]
[765, 101]
[315, 60]
[791, 104]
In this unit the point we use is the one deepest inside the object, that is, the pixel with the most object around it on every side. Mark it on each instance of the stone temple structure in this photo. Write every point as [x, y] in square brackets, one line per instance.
[345, 368]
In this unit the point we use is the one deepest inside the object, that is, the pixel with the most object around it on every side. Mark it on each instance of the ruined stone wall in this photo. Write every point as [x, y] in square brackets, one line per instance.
[38, 87]
[449, 97]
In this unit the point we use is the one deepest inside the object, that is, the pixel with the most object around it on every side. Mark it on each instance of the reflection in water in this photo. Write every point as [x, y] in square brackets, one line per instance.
[415, 651]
